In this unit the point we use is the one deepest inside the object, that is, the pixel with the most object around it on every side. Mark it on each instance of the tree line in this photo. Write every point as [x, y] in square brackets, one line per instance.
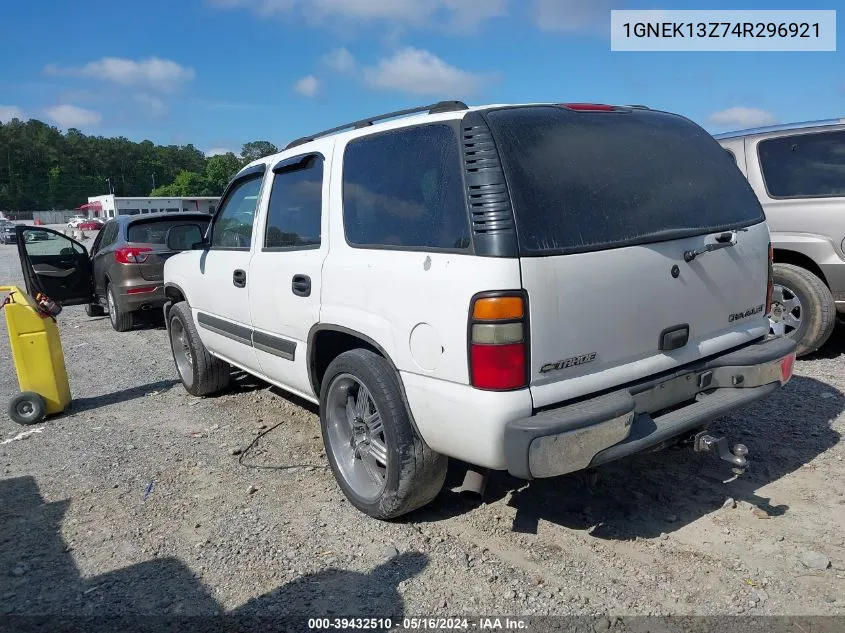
[42, 168]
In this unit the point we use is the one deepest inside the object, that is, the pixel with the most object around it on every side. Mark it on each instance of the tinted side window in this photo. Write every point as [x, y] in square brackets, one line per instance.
[233, 225]
[155, 231]
[804, 165]
[403, 188]
[109, 234]
[296, 204]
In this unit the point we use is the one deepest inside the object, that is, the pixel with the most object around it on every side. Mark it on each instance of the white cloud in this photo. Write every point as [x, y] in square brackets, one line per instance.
[458, 13]
[68, 116]
[573, 15]
[742, 117]
[420, 72]
[340, 60]
[154, 73]
[156, 108]
[8, 112]
[307, 86]
[217, 151]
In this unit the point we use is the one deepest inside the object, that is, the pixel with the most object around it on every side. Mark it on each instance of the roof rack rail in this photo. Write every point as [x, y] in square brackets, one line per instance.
[638, 107]
[434, 108]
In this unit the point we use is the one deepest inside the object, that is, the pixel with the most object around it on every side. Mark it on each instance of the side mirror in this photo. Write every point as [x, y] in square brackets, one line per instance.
[184, 237]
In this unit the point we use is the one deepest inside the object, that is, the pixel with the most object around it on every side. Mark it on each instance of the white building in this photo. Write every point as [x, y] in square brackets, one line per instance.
[110, 206]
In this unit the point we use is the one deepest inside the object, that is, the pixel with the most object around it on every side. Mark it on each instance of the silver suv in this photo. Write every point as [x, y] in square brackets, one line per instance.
[798, 174]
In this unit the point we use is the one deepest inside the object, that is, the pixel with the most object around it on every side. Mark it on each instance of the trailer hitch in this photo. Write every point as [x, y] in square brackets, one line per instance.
[736, 456]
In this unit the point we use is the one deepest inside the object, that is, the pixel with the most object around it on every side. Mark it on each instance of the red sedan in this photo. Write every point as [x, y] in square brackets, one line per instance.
[90, 225]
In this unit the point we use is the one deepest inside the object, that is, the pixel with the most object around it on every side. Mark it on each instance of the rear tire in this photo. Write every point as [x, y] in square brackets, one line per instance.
[380, 462]
[202, 374]
[803, 308]
[121, 320]
[94, 310]
[27, 408]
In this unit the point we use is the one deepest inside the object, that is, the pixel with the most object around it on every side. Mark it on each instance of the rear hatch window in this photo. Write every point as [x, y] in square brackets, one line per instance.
[586, 181]
[155, 231]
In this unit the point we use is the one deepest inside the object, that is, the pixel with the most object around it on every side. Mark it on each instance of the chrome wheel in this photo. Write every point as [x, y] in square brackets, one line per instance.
[355, 436]
[181, 351]
[112, 306]
[786, 313]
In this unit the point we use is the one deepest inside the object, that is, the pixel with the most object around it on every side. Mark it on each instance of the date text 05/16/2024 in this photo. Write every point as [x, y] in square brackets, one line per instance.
[418, 624]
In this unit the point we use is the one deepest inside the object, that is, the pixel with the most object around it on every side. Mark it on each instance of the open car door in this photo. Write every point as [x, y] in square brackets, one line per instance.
[55, 265]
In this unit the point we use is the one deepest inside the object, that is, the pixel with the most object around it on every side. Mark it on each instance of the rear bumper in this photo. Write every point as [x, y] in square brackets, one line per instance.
[140, 294]
[627, 421]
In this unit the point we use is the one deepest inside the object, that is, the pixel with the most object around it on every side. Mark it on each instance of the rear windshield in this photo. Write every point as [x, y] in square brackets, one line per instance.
[155, 231]
[583, 181]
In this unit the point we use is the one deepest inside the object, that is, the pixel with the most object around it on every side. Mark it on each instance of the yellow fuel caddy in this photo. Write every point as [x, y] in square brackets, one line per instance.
[38, 357]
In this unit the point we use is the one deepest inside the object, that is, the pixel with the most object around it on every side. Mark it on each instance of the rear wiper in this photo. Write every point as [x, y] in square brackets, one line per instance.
[722, 241]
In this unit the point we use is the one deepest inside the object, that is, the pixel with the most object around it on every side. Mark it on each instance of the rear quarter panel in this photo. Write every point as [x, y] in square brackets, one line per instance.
[413, 304]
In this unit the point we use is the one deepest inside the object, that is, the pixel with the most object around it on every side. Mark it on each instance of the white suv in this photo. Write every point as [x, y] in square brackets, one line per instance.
[533, 288]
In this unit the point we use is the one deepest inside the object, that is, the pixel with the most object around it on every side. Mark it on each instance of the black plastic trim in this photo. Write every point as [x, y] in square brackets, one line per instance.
[669, 340]
[488, 200]
[295, 163]
[277, 346]
[236, 332]
[246, 173]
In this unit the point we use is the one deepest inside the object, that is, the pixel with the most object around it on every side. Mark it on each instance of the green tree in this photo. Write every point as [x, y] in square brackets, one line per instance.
[257, 149]
[187, 183]
[219, 171]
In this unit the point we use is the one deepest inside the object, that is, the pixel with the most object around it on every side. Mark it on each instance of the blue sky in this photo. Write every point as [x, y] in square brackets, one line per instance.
[217, 73]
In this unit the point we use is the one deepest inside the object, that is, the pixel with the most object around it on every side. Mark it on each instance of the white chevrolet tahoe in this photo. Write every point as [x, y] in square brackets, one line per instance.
[532, 288]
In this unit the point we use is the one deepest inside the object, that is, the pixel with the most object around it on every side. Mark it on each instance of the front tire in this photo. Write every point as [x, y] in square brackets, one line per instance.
[202, 374]
[380, 462]
[121, 320]
[802, 308]
[27, 408]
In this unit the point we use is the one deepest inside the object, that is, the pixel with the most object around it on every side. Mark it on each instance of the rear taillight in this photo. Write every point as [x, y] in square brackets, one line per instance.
[132, 254]
[770, 288]
[498, 341]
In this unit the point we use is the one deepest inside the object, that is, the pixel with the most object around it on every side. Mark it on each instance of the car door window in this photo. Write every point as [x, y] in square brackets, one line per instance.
[296, 203]
[232, 227]
[804, 165]
[60, 265]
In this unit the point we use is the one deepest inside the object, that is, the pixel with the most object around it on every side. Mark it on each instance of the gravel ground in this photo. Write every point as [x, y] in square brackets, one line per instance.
[135, 501]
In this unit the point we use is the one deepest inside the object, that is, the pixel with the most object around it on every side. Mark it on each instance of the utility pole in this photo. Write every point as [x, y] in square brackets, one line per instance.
[108, 180]
[154, 180]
